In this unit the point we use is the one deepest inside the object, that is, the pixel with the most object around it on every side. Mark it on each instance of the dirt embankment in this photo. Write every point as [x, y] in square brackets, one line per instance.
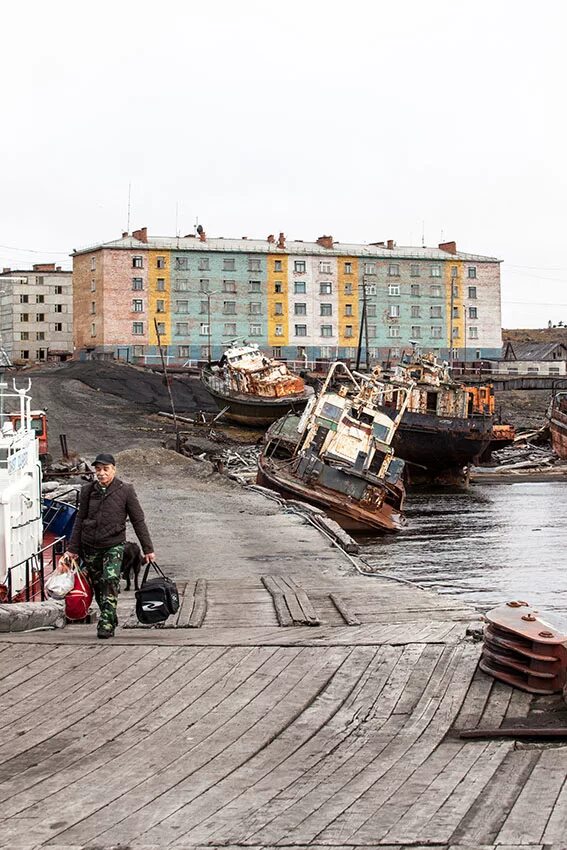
[525, 409]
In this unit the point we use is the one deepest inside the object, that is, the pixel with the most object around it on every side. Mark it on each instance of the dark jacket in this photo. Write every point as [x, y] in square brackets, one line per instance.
[101, 520]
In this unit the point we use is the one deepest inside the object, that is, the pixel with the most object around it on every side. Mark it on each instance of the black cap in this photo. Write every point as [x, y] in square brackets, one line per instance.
[104, 458]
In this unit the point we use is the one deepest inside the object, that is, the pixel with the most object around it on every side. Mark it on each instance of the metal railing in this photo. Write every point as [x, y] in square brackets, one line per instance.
[35, 570]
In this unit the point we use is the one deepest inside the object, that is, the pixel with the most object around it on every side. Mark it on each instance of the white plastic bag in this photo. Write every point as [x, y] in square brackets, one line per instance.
[59, 584]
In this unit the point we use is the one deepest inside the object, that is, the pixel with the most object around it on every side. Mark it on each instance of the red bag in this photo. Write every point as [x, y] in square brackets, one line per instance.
[78, 601]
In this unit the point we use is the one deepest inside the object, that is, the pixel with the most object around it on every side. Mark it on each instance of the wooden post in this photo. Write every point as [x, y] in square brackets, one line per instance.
[166, 378]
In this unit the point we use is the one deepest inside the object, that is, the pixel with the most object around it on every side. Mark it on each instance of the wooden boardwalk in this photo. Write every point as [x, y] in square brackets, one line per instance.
[246, 732]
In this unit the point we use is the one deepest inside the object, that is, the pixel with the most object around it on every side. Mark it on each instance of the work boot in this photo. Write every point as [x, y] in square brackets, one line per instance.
[104, 633]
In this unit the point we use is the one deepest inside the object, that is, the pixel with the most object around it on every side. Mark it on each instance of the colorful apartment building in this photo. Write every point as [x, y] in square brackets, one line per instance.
[297, 300]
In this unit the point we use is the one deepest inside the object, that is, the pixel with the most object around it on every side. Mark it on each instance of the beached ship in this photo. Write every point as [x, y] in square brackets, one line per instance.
[558, 424]
[253, 389]
[338, 455]
[446, 425]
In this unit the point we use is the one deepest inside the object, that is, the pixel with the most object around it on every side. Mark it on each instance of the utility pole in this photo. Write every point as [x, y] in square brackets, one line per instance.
[209, 326]
[452, 302]
[167, 384]
[363, 325]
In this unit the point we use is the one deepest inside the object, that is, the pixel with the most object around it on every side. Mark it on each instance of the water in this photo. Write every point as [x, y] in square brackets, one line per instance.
[490, 544]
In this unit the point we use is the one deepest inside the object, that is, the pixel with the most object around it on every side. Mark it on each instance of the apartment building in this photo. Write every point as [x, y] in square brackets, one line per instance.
[36, 313]
[295, 299]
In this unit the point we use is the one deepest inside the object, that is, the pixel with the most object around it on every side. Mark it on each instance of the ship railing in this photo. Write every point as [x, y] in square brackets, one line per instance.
[35, 567]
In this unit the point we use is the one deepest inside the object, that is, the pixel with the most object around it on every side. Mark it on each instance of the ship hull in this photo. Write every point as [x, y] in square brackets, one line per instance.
[558, 427]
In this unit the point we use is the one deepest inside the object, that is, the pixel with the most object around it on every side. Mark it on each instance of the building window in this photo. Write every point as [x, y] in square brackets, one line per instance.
[393, 270]
[182, 328]
[301, 330]
[393, 331]
[299, 266]
[58, 327]
[325, 288]
[57, 308]
[229, 264]
[348, 331]
[254, 286]
[137, 283]
[93, 307]
[160, 284]
[415, 290]
[369, 268]
[39, 281]
[182, 264]
[277, 265]
[255, 330]
[229, 286]
[160, 306]
[455, 333]
[472, 293]
[137, 328]
[300, 287]
[26, 354]
[204, 307]
[24, 299]
[326, 310]
[24, 317]
[183, 351]
[471, 272]
[300, 309]
[324, 267]
[204, 264]
[348, 288]
[454, 272]
[278, 331]
[326, 351]
[93, 329]
[414, 271]
[348, 268]
[40, 299]
[415, 311]
[554, 370]
[435, 291]
[372, 332]
[93, 285]
[160, 262]
[473, 313]
[436, 331]
[181, 285]
[255, 308]
[326, 330]
[204, 329]
[137, 262]
[278, 287]
[435, 312]
[93, 264]
[276, 352]
[254, 264]
[40, 317]
[278, 308]
[371, 310]
[138, 350]
[40, 335]
[394, 311]
[455, 312]
[348, 309]
[204, 284]
[58, 290]
[533, 370]
[416, 332]
[435, 271]
[393, 289]
[229, 307]
[137, 305]
[229, 329]
[160, 328]
[180, 306]
[473, 333]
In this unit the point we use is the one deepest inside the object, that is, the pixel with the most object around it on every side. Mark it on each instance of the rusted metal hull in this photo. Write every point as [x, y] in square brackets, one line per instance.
[253, 410]
[351, 515]
[558, 427]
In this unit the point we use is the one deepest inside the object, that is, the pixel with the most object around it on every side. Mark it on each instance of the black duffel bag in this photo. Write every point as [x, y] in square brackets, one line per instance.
[157, 598]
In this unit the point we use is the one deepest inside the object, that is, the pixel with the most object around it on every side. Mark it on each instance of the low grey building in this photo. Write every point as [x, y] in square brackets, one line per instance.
[36, 313]
[532, 358]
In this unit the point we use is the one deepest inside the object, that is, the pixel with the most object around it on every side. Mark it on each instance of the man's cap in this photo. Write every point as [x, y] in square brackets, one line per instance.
[104, 458]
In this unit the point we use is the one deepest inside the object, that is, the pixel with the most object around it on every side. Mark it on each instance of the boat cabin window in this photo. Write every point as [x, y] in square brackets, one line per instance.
[380, 431]
[37, 425]
[331, 411]
[394, 470]
[431, 402]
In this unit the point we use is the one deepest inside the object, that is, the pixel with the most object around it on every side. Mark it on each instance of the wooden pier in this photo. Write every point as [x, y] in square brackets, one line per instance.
[253, 726]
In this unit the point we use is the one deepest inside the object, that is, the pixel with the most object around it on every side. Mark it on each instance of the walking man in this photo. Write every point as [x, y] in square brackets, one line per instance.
[99, 534]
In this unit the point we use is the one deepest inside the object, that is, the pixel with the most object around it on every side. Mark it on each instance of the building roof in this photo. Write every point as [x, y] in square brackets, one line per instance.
[262, 246]
[532, 350]
[16, 272]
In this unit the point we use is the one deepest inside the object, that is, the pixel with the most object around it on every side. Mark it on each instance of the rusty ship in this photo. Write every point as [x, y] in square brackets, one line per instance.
[338, 455]
[251, 388]
[558, 424]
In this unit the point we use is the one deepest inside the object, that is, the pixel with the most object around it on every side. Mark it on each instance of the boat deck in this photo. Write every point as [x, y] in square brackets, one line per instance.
[234, 730]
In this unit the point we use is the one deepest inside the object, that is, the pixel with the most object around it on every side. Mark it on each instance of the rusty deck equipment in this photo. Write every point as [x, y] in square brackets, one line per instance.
[525, 650]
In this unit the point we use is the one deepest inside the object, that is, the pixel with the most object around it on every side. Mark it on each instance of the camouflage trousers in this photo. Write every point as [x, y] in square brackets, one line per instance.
[102, 567]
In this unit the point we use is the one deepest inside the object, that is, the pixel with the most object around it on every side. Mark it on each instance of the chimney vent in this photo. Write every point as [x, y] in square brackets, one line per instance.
[141, 235]
[57, 268]
[271, 239]
[325, 241]
[6, 270]
[390, 244]
[449, 247]
[125, 234]
[281, 240]
[43, 267]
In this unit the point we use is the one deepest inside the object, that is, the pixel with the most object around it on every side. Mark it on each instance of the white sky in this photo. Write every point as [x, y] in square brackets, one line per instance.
[356, 119]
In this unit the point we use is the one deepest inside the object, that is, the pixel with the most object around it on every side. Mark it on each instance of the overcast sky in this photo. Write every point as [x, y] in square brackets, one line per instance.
[362, 120]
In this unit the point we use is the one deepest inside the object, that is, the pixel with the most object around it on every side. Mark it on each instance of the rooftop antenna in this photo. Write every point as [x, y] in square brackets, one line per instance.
[129, 193]
[196, 223]
[423, 234]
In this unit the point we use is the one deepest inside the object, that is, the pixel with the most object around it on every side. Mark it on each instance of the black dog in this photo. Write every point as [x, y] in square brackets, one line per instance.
[131, 563]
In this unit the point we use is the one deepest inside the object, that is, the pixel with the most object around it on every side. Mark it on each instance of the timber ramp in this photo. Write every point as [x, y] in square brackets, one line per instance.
[245, 724]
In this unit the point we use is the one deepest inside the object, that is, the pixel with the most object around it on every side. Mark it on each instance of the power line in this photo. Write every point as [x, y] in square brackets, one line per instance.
[34, 251]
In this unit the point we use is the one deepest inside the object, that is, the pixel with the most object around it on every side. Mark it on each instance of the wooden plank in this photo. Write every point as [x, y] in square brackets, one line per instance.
[199, 611]
[341, 606]
[282, 611]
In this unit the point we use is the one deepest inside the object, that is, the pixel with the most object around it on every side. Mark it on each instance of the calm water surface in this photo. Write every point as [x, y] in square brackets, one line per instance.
[490, 544]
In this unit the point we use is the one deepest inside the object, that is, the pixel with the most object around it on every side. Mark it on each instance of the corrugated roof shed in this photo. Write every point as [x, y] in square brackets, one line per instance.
[534, 351]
